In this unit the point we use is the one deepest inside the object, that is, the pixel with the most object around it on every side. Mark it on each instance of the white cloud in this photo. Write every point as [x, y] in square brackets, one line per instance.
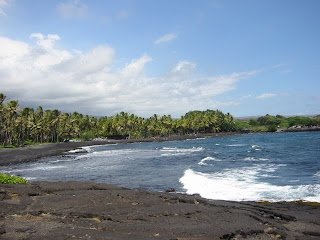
[136, 67]
[4, 4]
[184, 67]
[166, 38]
[72, 8]
[88, 82]
[45, 41]
[266, 95]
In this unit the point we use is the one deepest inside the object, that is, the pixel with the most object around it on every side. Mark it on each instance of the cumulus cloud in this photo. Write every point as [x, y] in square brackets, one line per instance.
[72, 9]
[45, 41]
[266, 95]
[166, 38]
[88, 82]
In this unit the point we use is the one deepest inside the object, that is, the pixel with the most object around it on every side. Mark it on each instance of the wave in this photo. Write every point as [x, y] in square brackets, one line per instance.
[243, 185]
[255, 146]
[194, 139]
[30, 178]
[94, 148]
[114, 152]
[78, 150]
[35, 168]
[204, 160]
[236, 145]
[179, 151]
[255, 159]
[44, 168]
[174, 149]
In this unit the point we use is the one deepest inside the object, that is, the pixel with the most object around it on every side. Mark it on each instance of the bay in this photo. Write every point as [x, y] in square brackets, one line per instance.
[273, 167]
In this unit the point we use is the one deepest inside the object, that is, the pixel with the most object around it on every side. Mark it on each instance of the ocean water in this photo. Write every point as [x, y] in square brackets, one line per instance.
[273, 167]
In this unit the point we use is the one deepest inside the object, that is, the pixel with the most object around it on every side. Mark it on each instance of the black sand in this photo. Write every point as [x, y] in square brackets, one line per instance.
[9, 156]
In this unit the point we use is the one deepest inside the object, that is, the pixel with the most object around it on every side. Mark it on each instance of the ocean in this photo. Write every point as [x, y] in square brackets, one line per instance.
[251, 167]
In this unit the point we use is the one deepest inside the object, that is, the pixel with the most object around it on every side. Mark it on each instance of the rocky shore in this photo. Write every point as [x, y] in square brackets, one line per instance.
[83, 210]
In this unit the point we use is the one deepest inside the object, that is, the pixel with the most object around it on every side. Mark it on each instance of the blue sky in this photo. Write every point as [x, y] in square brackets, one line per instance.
[167, 57]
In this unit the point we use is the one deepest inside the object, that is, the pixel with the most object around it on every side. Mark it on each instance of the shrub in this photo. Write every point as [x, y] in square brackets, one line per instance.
[272, 128]
[9, 179]
[28, 142]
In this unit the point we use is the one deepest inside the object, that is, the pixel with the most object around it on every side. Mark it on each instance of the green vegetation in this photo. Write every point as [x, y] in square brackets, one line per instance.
[314, 204]
[9, 179]
[270, 123]
[28, 126]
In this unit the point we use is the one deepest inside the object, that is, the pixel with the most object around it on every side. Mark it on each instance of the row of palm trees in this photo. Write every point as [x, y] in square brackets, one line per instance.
[24, 126]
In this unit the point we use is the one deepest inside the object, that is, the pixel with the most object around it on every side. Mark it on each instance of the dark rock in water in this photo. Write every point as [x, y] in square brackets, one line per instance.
[170, 190]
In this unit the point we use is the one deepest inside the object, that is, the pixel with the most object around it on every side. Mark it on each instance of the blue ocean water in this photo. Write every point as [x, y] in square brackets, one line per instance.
[274, 167]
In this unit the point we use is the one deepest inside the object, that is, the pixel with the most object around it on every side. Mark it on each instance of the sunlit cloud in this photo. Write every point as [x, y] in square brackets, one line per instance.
[4, 4]
[166, 38]
[266, 95]
[88, 82]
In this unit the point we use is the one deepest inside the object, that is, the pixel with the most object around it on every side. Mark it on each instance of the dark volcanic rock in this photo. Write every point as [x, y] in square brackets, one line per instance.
[170, 190]
[82, 210]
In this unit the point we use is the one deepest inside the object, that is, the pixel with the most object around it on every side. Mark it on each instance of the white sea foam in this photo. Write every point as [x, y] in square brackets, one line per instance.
[294, 180]
[44, 168]
[78, 150]
[114, 152]
[194, 139]
[89, 149]
[317, 174]
[236, 145]
[206, 159]
[243, 184]
[217, 144]
[30, 178]
[179, 151]
[255, 159]
[34, 168]
[256, 147]
[194, 149]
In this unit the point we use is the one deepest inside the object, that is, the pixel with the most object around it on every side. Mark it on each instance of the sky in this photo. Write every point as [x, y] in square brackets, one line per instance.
[97, 57]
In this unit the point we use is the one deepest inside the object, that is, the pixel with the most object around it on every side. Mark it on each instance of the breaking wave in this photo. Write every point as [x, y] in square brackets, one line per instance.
[243, 185]
[204, 161]
[167, 151]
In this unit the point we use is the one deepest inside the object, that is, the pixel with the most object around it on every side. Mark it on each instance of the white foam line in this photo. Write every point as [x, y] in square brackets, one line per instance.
[255, 159]
[204, 160]
[243, 185]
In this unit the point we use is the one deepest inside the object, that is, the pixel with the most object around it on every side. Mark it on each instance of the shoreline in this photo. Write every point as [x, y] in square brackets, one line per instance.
[86, 210]
[19, 155]
[12, 156]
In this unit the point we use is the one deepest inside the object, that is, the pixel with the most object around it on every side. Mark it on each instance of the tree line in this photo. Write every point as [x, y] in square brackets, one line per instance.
[269, 123]
[27, 126]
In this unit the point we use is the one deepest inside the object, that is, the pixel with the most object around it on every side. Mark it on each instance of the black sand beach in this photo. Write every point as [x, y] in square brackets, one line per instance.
[9, 156]
[85, 210]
